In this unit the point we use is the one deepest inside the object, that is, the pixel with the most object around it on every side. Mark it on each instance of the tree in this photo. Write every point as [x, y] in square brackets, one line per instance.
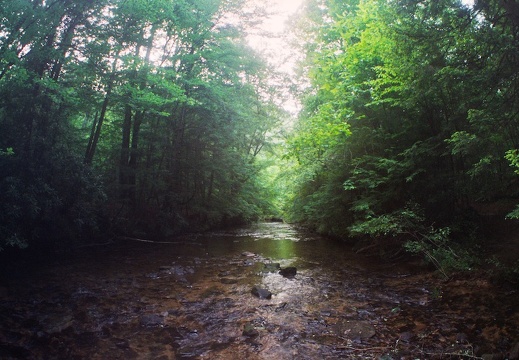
[46, 192]
[418, 89]
[160, 101]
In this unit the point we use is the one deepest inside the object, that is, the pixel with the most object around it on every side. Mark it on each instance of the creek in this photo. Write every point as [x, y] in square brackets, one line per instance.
[191, 298]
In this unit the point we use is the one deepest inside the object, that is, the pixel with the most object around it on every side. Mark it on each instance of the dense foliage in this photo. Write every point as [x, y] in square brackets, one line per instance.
[128, 116]
[410, 123]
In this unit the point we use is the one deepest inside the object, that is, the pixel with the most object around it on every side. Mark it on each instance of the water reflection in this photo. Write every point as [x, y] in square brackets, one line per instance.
[283, 249]
[274, 241]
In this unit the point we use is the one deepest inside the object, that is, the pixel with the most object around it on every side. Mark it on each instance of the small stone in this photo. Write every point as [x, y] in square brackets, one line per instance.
[249, 330]
[248, 254]
[406, 336]
[462, 338]
[56, 323]
[288, 272]
[361, 330]
[261, 293]
[150, 320]
[272, 267]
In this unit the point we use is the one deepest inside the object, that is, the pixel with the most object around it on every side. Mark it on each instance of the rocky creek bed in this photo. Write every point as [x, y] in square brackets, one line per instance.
[194, 298]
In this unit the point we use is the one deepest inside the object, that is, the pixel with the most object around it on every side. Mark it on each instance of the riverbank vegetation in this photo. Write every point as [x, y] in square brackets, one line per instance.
[409, 130]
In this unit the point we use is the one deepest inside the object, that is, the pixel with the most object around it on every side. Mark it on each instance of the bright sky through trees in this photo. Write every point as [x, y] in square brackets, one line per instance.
[271, 38]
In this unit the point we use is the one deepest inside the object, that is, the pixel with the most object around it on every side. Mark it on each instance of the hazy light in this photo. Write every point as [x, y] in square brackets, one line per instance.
[271, 39]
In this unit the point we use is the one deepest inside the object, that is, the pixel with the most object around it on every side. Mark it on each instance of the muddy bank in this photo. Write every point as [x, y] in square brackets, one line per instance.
[193, 298]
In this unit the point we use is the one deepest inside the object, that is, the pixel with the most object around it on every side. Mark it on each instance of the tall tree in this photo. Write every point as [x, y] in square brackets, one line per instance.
[396, 134]
[39, 42]
[161, 99]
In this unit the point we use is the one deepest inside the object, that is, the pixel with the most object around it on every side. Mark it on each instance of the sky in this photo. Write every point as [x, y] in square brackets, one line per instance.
[271, 40]
[284, 9]
[271, 36]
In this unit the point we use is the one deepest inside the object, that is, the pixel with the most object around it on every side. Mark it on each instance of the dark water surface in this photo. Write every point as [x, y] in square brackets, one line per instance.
[191, 299]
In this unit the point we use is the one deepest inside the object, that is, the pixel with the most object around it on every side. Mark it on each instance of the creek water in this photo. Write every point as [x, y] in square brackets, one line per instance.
[190, 298]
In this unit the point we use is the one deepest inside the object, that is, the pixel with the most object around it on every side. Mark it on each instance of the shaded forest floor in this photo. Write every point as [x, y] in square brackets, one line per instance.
[192, 300]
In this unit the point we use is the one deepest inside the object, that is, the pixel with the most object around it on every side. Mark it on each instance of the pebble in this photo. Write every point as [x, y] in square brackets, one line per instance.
[261, 293]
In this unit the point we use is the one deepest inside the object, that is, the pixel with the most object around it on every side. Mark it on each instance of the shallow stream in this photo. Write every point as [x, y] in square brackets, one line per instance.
[190, 298]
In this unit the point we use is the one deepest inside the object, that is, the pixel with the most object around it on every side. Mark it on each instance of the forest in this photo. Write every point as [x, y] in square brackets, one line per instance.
[408, 135]
[156, 118]
[129, 117]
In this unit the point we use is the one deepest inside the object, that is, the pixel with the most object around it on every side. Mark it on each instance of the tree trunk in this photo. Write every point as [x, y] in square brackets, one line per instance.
[133, 157]
[125, 152]
[96, 127]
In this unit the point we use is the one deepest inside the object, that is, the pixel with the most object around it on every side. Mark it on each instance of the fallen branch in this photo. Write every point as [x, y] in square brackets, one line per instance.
[378, 348]
[370, 246]
[351, 348]
[347, 347]
[462, 353]
[159, 242]
[468, 356]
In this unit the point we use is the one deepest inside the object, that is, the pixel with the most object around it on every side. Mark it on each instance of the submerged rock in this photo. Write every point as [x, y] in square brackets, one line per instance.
[288, 272]
[56, 323]
[249, 330]
[151, 320]
[355, 330]
[261, 293]
[271, 267]
[406, 336]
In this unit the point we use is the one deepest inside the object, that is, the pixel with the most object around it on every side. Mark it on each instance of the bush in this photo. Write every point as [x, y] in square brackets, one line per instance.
[50, 203]
[408, 226]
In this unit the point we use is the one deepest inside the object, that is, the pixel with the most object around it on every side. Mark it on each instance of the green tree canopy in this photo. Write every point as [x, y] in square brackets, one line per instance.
[410, 112]
[134, 115]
